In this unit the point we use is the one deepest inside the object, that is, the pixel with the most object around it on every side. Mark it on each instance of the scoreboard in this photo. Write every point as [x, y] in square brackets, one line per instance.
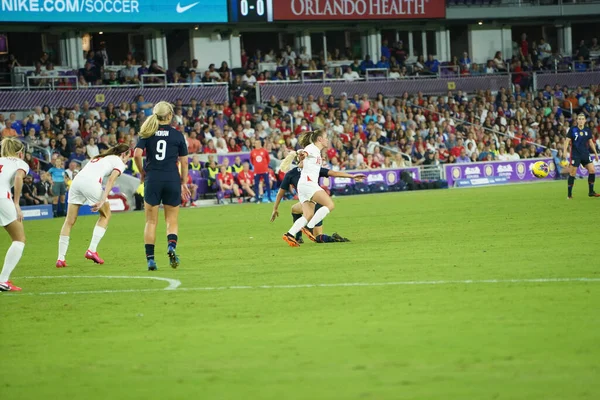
[250, 10]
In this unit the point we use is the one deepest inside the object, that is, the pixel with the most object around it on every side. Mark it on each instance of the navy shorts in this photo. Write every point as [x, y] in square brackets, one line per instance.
[166, 192]
[576, 160]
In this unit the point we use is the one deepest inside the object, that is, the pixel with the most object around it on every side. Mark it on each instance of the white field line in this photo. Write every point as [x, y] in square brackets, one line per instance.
[174, 284]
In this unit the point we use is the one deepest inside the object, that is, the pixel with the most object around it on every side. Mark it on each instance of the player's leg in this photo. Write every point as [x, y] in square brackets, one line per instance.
[591, 179]
[307, 209]
[322, 198]
[296, 214]
[572, 173]
[236, 190]
[65, 234]
[13, 254]
[172, 221]
[249, 190]
[151, 213]
[170, 200]
[55, 196]
[98, 234]
[152, 199]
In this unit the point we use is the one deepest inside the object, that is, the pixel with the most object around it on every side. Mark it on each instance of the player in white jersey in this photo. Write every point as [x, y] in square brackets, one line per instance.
[309, 191]
[12, 171]
[86, 188]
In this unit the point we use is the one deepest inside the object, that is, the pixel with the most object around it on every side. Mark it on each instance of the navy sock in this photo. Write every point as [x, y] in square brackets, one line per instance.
[324, 239]
[591, 180]
[149, 252]
[172, 239]
[571, 182]
[55, 209]
[295, 218]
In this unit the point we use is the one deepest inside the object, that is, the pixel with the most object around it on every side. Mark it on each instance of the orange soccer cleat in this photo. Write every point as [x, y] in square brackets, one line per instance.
[289, 239]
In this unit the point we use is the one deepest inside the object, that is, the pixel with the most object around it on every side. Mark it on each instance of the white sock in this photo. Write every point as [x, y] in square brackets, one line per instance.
[96, 237]
[13, 255]
[299, 224]
[63, 246]
[318, 217]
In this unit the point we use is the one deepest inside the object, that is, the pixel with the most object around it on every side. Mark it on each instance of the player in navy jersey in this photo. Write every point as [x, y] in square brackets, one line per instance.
[291, 178]
[581, 140]
[165, 146]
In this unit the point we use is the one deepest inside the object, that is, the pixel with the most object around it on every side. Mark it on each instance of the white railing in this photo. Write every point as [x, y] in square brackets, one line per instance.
[377, 71]
[48, 82]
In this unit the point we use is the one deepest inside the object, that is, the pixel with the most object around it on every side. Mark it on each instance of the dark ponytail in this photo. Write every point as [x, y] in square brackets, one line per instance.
[113, 151]
[309, 137]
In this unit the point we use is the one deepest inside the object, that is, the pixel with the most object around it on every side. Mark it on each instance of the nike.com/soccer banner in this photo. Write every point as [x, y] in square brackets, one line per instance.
[114, 11]
[312, 10]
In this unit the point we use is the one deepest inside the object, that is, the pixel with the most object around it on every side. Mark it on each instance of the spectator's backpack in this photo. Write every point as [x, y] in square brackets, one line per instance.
[378, 187]
[398, 187]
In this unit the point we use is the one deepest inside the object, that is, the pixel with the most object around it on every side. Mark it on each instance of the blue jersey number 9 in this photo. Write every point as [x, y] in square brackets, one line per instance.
[161, 150]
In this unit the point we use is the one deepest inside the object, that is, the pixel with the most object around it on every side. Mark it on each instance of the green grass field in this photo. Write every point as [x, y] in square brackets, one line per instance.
[406, 325]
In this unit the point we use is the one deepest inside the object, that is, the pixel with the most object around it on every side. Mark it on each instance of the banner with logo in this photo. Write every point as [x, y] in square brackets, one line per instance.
[387, 176]
[583, 172]
[313, 10]
[512, 171]
[114, 11]
[37, 212]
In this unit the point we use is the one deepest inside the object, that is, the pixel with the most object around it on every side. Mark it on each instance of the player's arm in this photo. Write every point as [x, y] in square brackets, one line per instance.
[110, 183]
[338, 174]
[139, 162]
[18, 185]
[566, 147]
[185, 191]
[593, 147]
[285, 186]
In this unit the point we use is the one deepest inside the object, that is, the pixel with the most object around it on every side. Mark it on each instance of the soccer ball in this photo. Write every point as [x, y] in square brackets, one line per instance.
[564, 163]
[540, 169]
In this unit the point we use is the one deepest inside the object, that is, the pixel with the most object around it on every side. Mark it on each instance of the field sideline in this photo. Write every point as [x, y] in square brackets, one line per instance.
[450, 294]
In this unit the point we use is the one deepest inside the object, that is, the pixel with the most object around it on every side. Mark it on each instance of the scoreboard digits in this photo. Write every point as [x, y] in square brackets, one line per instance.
[250, 10]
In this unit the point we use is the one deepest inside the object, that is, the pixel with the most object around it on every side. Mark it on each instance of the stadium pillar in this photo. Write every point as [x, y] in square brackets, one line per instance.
[565, 39]
[442, 40]
[156, 48]
[303, 39]
[373, 45]
[71, 50]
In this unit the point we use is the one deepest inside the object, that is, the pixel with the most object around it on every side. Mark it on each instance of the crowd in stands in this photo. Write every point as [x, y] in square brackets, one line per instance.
[366, 133]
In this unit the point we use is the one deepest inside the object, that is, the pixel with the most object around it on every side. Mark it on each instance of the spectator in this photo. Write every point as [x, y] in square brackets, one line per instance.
[226, 182]
[8, 131]
[544, 50]
[583, 51]
[129, 74]
[498, 62]
[246, 181]
[465, 61]
[350, 75]
[432, 64]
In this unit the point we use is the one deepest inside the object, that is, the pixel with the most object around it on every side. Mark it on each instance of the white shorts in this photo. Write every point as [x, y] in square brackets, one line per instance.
[306, 190]
[85, 192]
[8, 212]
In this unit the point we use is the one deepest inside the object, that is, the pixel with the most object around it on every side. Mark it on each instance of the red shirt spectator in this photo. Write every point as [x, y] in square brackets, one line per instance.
[455, 151]
[331, 152]
[260, 159]
[226, 178]
[246, 178]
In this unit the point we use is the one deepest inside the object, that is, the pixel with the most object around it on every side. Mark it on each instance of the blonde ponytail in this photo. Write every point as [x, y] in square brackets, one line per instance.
[11, 147]
[287, 162]
[162, 112]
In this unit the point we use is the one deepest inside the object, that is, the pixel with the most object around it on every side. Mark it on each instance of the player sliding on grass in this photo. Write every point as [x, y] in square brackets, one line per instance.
[12, 171]
[309, 191]
[86, 188]
[291, 178]
[163, 183]
[581, 140]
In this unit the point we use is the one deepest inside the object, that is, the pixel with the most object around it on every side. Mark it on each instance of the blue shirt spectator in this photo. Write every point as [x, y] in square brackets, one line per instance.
[385, 50]
[383, 63]
[432, 64]
[367, 63]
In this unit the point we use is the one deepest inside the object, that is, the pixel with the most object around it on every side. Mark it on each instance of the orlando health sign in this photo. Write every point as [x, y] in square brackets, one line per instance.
[114, 11]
